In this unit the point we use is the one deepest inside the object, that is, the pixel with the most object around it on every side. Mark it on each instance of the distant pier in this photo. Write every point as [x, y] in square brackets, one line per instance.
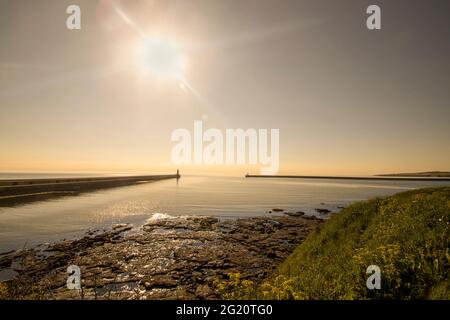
[353, 178]
[20, 191]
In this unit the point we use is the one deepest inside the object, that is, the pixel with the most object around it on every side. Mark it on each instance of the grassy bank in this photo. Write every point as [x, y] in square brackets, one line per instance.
[407, 235]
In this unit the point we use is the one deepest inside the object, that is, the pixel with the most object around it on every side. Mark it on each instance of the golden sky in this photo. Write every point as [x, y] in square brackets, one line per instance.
[345, 99]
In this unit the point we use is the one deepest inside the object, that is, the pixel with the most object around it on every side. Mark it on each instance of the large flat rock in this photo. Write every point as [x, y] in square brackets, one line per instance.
[175, 258]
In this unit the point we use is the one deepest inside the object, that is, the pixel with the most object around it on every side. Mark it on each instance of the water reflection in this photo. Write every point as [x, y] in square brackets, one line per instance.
[191, 195]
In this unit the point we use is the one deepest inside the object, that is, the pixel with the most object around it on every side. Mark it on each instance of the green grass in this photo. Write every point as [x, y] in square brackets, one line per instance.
[406, 235]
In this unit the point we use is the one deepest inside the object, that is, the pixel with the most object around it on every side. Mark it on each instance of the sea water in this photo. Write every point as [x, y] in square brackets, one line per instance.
[223, 197]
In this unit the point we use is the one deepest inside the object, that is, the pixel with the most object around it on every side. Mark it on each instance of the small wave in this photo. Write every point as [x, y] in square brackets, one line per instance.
[159, 216]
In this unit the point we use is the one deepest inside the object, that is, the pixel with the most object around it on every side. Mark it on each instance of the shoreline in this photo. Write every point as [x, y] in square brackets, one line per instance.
[322, 211]
[169, 258]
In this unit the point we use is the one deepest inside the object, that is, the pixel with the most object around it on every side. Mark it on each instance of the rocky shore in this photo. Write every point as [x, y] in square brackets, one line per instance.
[168, 258]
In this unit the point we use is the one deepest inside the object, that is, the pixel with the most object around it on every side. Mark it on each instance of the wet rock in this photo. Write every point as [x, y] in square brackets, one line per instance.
[175, 258]
[118, 226]
[204, 292]
[310, 218]
[295, 214]
[323, 211]
[159, 282]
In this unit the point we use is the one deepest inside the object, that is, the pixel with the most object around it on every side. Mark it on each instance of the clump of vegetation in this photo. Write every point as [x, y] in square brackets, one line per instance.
[235, 288]
[406, 235]
[4, 293]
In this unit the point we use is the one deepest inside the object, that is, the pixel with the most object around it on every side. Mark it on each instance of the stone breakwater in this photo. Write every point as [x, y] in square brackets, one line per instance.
[168, 258]
[21, 191]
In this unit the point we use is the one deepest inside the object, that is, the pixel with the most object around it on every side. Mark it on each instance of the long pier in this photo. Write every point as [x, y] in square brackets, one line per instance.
[19, 191]
[354, 178]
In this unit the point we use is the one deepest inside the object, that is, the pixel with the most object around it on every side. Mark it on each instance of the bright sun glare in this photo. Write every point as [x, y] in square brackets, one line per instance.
[161, 58]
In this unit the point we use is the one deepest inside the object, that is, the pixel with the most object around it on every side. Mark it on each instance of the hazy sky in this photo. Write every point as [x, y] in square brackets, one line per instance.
[346, 100]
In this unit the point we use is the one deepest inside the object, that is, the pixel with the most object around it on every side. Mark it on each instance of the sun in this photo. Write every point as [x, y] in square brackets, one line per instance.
[161, 58]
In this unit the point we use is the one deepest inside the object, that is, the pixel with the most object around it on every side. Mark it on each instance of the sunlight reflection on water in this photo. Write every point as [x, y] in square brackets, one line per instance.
[225, 197]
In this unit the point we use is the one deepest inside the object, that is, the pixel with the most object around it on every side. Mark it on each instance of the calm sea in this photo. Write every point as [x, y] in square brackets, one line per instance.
[224, 197]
